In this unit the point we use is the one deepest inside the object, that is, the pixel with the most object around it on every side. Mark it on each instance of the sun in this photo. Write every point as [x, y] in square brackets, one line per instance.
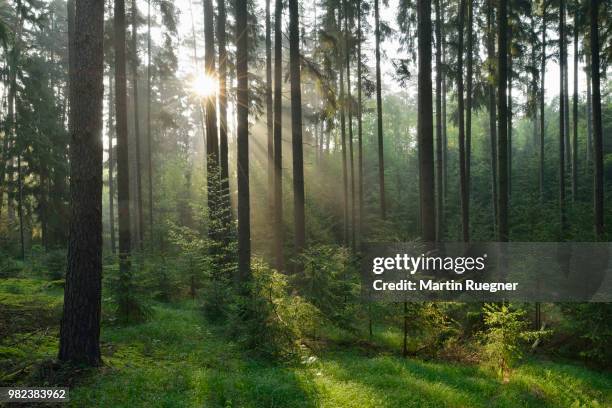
[204, 85]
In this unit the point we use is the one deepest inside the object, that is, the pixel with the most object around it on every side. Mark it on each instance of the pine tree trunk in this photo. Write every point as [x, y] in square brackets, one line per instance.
[589, 112]
[242, 133]
[278, 141]
[492, 109]
[269, 113]
[140, 218]
[149, 136]
[343, 143]
[510, 105]
[542, 104]
[111, 166]
[465, 211]
[439, 157]
[468, 98]
[210, 107]
[80, 324]
[597, 124]
[562, 137]
[359, 122]
[502, 108]
[575, 118]
[349, 107]
[121, 124]
[425, 124]
[379, 117]
[223, 147]
[296, 127]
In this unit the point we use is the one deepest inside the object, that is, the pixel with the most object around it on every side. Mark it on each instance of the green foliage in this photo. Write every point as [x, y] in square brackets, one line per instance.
[505, 336]
[129, 296]
[590, 326]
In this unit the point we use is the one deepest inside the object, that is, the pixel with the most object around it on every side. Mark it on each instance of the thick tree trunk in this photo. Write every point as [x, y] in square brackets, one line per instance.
[138, 166]
[296, 127]
[465, 210]
[278, 140]
[379, 117]
[597, 125]
[502, 108]
[80, 324]
[242, 98]
[425, 124]
[510, 105]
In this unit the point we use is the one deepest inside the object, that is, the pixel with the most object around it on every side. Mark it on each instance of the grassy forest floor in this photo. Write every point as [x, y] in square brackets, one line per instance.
[177, 359]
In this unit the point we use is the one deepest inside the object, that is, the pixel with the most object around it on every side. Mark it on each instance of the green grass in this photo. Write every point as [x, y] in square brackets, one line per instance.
[178, 360]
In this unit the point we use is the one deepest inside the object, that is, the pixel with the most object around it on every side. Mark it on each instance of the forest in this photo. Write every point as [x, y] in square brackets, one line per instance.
[187, 188]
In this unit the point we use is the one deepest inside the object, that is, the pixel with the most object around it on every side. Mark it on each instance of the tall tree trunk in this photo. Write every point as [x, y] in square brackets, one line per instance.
[465, 210]
[439, 158]
[562, 145]
[510, 105]
[343, 142]
[566, 104]
[492, 109]
[121, 125]
[502, 108]
[542, 103]
[575, 117]
[149, 136]
[468, 97]
[269, 113]
[20, 199]
[223, 148]
[80, 324]
[359, 121]
[111, 166]
[589, 112]
[296, 126]
[278, 140]
[379, 116]
[242, 133]
[210, 107]
[349, 107]
[444, 127]
[597, 125]
[135, 63]
[425, 124]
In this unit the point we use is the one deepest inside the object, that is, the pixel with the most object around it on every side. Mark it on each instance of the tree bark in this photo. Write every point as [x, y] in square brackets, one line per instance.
[278, 140]
[425, 124]
[296, 127]
[562, 145]
[379, 117]
[542, 104]
[223, 148]
[80, 324]
[465, 210]
[439, 157]
[468, 98]
[597, 125]
[343, 142]
[149, 136]
[349, 107]
[502, 108]
[242, 133]
[111, 166]
[575, 118]
[269, 113]
[138, 166]
[492, 109]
